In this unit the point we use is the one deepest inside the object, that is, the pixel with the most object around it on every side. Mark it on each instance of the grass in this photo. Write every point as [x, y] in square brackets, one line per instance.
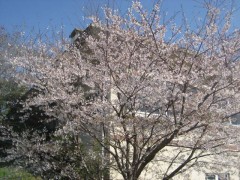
[16, 174]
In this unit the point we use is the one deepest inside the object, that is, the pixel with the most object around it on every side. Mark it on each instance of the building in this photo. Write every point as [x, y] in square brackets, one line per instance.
[173, 155]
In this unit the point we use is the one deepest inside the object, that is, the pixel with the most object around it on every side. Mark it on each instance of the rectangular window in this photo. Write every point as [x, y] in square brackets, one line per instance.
[211, 177]
[235, 119]
[217, 176]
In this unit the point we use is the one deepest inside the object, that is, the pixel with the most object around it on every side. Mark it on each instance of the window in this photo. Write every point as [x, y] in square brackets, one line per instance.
[211, 177]
[235, 119]
[217, 176]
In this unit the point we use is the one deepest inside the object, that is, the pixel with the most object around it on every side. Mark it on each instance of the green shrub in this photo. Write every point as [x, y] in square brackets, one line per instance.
[13, 173]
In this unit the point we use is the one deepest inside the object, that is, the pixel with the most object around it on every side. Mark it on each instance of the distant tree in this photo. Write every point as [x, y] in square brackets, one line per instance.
[10, 91]
[14, 119]
[36, 145]
[146, 93]
[27, 130]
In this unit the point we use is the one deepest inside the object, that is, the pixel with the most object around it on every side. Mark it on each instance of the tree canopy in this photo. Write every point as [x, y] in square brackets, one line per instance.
[148, 94]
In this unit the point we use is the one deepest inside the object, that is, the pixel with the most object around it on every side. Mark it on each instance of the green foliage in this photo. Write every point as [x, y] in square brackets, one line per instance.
[83, 155]
[10, 92]
[93, 159]
[13, 173]
[64, 157]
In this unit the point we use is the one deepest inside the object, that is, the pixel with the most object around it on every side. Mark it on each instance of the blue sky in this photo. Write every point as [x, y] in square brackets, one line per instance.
[43, 14]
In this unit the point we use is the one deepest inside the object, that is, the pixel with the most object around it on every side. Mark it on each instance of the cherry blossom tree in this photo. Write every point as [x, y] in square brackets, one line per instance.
[9, 89]
[142, 90]
[27, 134]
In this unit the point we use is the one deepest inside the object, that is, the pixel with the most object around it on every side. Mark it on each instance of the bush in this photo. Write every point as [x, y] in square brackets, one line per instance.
[13, 173]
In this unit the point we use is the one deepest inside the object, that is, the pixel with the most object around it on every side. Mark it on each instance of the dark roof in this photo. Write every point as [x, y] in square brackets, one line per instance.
[74, 32]
[90, 30]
